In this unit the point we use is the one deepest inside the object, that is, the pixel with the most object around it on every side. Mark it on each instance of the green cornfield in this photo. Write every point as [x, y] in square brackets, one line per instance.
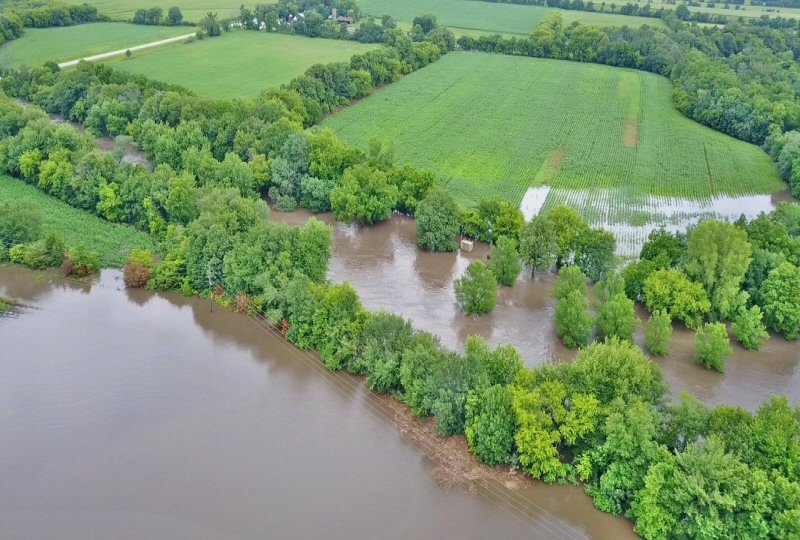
[494, 125]
[112, 241]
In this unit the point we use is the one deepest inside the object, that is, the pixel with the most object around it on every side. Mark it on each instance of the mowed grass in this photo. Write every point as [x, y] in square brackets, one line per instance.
[493, 126]
[464, 15]
[112, 241]
[238, 64]
[37, 46]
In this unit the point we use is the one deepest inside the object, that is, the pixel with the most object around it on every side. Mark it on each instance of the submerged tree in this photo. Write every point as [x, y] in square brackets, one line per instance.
[476, 289]
[505, 261]
[713, 346]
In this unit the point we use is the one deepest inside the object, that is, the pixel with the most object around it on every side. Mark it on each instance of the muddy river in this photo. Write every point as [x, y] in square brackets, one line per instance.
[129, 415]
[384, 265]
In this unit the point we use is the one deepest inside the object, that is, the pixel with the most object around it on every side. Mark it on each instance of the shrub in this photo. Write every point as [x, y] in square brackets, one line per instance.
[713, 346]
[46, 253]
[476, 289]
[17, 254]
[139, 269]
[84, 262]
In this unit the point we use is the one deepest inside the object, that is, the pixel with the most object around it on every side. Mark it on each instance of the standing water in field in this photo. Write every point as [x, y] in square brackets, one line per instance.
[130, 415]
[631, 218]
[389, 272]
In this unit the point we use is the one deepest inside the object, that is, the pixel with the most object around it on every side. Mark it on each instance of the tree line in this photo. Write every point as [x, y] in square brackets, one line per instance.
[14, 20]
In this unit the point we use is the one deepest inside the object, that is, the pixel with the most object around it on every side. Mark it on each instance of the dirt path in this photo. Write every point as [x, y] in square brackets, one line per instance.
[120, 52]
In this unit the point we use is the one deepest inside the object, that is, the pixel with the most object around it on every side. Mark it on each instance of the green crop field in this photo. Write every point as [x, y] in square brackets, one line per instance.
[193, 10]
[494, 125]
[463, 15]
[239, 63]
[37, 46]
[74, 226]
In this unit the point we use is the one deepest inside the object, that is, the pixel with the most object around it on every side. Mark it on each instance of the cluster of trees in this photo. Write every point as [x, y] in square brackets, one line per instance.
[298, 16]
[155, 16]
[14, 20]
[22, 242]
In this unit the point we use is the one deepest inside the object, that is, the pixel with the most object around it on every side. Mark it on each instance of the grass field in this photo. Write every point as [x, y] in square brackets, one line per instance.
[74, 226]
[238, 63]
[37, 46]
[463, 15]
[494, 125]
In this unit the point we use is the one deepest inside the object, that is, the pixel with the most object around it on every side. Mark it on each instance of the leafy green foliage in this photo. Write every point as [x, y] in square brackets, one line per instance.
[780, 296]
[573, 322]
[538, 244]
[718, 256]
[749, 329]
[594, 253]
[490, 424]
[617, 318]
[505, 261]
[19, 223]
[476, 289]
[681, 298]
[437, 220]
[659, 333]
[713, 346]
[365, 196]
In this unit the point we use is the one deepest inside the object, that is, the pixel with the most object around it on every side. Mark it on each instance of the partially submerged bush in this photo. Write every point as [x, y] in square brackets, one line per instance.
[139, 269]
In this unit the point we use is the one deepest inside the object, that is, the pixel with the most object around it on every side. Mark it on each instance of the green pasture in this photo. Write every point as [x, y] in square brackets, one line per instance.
[112, 241]
[495, 125]
[39, 45]
[238, 64]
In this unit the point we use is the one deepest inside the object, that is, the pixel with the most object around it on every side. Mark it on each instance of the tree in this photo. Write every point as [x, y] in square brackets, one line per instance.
[364, 196]
[749, 329]
[663, 248]
[174, 16]
[437, 221]
[718, 256]
[570, 278]
[210, 24]
[780, 296]
[490, 424]
[659, 333]
[681, 298]
[573, 322]
[476, 289]
[568, 224]
[505, 261]
[617, 318]
[538, 244]
[635, 275]
[702, 492]
[713, 346]
[594, 252]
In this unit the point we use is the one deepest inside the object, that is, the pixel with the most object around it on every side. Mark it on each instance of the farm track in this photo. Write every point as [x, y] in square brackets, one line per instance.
[122, 52]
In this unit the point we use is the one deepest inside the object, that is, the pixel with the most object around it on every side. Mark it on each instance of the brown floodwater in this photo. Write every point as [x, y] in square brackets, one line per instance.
[130, 414]
[389, 272]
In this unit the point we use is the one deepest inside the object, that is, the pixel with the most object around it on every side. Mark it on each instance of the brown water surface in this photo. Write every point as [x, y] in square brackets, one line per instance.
[130, 415]
[389, 272]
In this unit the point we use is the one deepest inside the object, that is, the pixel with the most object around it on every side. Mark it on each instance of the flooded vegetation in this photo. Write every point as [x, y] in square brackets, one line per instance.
[384, 265]
[137, 399]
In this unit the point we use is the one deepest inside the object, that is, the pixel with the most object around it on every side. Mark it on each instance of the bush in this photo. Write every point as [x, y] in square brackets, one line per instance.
[46, 253]
[659, 333]
[83, 262]
[139, 269]
[713, 346]
[4, 254]
[17, 254]
[476, 289]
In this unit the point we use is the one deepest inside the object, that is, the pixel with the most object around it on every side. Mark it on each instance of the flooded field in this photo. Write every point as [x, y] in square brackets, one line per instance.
[632, 217]
[131, 415]
[384, 265]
